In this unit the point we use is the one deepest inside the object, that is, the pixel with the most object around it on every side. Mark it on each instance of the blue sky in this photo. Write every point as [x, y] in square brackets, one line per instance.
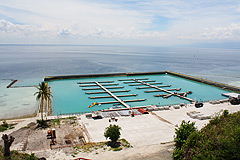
[120, 22]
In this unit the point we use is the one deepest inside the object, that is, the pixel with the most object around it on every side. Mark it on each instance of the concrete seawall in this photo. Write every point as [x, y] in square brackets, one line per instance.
[209, 82]
[51, 78]
[217, 84]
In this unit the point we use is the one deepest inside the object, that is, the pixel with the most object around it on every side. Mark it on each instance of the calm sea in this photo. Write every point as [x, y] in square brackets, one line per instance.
[30, 63]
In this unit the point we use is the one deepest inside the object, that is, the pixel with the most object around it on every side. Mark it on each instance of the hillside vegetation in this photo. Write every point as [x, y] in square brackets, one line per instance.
[220, 139]
[15, 155]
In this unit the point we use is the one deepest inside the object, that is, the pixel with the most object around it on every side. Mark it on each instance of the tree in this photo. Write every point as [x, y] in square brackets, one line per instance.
[43, 94]
[219, 139]
[7, 144]
[182, 134]
[113, 133]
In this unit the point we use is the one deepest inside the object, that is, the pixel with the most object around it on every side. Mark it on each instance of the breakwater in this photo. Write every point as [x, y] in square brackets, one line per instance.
[51, 78]
[201, 80]
[10, 85]
[205, 81]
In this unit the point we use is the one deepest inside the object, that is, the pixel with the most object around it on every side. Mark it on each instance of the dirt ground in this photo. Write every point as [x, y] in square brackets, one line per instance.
[165, 154]
[32, 139]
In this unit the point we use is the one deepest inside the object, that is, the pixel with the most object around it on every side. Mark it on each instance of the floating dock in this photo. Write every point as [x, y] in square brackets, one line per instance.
[127, 95]
[132, 79]
[164, 90]
[101, 88]
[106, 92]
[143, 81]
[151, 87]
[110, 102]
[94, 82]
[92, 85]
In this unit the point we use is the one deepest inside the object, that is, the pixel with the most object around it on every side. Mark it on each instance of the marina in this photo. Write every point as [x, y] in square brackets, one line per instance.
[140, 89]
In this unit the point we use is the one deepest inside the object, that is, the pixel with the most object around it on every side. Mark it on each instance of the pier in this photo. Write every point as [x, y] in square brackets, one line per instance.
[12, 83]
[133, 79]
[143, 81]
[127, 95]
[92, 85]
[122, 102]
[111, 95]
[164, 90]
[184, 94]
[151, 87]
[115, 97]
[101, 88]
[106, 92]
[94, 82]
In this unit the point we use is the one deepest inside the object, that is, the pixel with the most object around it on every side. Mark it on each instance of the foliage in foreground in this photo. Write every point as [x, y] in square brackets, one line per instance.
[220, 139]
[182, 133]
[17, 156]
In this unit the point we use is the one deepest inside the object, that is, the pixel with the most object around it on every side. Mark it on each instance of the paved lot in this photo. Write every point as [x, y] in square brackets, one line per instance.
[138, 130]
[149, 129]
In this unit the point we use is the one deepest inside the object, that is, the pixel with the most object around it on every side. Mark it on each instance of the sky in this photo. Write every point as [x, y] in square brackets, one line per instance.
[119, 22]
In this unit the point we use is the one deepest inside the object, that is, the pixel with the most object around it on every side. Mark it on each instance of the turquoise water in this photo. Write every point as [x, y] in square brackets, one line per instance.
[68, 97]
[31, 63]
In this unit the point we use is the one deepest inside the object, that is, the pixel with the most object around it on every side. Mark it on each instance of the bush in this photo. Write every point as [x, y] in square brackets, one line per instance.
[220, 139]
[113, 133]
[15, 155]
[42, 123]
[2, 128]
[5, 124]
[182, 133]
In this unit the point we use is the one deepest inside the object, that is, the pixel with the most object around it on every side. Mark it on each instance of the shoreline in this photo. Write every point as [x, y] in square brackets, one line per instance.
[21, 117]
[149, 134]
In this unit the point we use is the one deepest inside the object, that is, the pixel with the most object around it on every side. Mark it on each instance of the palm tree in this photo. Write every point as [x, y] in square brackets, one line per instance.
[43, 94]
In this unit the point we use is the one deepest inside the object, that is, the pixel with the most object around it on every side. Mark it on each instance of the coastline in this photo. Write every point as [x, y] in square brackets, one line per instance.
[150, 136]
[20, 118]
[17, 102]
[32, 99]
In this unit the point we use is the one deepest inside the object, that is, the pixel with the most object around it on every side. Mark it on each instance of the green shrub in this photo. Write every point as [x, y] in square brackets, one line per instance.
[42, 123]
[182, 133]
[15, 155]
[113, 133]
[5, 124]
[2, 128]
[220, 139]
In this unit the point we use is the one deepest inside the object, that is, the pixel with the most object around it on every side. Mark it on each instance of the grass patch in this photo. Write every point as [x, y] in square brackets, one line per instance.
[102, 147]
[125, 143]
[17, 156]
[117, 149]
[2, 128]
[6, 126]
[26, 127]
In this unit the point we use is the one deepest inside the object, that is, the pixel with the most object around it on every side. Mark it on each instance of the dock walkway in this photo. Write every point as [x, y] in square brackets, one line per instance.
[164, 90]
[115, 97]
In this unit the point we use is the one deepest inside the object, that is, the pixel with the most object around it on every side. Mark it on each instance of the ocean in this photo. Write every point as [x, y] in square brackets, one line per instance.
[31, 63]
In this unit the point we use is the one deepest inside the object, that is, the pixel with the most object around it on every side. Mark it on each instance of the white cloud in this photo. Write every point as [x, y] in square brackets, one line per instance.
[230, 32]
[123, 21]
